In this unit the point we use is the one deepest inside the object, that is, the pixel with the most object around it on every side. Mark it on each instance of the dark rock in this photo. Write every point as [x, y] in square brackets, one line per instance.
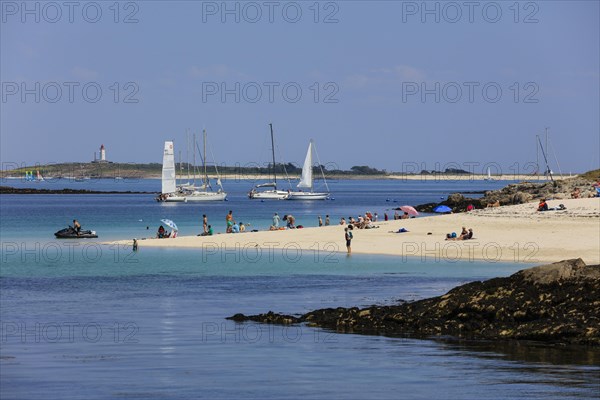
[517, 193]
[12, 190]
[557, 303]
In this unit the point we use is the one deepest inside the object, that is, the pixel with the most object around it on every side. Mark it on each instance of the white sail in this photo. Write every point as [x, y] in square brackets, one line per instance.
[307, 179]
[168, 169]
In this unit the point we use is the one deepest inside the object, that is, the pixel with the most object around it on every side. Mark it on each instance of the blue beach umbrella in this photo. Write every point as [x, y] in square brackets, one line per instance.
[170, 224]
[442, 209]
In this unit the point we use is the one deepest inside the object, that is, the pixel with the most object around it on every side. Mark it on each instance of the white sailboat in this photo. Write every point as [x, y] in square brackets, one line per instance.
[39, 177]
[202, 192]
[273, 193]
[489, 176]
[169, 192]
[307, 182]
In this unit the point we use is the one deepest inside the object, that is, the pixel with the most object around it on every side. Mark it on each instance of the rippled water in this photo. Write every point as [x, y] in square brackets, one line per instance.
[152, 324]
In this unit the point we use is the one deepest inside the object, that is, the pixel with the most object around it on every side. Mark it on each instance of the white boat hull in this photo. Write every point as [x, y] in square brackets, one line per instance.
[269, 195]
[307, 196]
[174, 199]
[205, 196]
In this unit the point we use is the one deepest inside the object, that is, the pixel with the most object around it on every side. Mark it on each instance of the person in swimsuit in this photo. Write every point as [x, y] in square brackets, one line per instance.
[230, 221]
[204, 224]
[348, 237]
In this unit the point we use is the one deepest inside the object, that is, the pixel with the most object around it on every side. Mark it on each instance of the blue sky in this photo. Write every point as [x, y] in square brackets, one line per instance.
[370, 68]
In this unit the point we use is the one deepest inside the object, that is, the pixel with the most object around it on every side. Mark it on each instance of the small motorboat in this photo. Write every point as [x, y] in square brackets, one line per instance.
[70, 233]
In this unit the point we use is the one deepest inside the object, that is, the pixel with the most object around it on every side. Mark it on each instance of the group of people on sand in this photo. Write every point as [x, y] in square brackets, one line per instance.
[232, 226]
[464, 234]
[362, 222]
[288, 220]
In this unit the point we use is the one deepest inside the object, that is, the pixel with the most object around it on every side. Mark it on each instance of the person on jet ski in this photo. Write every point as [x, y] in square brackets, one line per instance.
[77, 226]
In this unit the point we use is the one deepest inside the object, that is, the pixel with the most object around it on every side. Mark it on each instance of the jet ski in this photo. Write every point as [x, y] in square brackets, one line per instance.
[70, 233]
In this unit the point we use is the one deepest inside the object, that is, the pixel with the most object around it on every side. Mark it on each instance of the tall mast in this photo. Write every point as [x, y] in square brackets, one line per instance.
[204, 161]
[194, 159]
[546, 141]
[187, 153]
[311, 165]
[546, 159]
[273, 153]
[537, 156]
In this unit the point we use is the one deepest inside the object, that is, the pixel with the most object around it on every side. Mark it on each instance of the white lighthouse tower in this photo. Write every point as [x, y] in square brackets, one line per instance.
[102, 154]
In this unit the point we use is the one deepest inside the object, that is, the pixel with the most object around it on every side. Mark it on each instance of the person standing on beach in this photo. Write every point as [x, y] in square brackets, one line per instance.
[204, 224]
[385, 217]
[327, 220]
[230, 221]
[276, 220]
[320, 221]
[348, 237]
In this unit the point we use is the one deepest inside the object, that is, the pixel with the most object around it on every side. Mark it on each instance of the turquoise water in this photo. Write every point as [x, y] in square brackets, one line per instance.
[101, 322]
[127, 216]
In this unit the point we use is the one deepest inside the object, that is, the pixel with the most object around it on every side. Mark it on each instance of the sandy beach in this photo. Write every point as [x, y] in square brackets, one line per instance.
[512, 233]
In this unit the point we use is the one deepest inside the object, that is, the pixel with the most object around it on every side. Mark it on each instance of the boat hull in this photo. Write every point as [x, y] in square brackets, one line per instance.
[307, 196]
[269, 195]
[205, 196]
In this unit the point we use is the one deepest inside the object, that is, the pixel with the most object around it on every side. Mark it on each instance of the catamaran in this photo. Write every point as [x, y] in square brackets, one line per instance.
[269, 194]
[169, 191]
[306, 181]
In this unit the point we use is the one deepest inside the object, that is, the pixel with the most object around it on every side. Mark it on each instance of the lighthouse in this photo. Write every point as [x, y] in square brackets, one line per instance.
[102, 159]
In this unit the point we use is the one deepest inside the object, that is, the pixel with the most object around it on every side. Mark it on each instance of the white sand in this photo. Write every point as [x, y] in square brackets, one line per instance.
[511, 233]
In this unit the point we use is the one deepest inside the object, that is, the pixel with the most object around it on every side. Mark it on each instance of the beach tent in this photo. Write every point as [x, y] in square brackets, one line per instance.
[442, 209]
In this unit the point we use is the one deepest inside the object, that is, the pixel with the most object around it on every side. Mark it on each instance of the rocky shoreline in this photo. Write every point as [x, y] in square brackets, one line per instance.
[555, 304]
[12, 190]
[517, 193]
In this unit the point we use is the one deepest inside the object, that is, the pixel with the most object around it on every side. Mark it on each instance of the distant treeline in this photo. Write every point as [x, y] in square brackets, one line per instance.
[112, 170]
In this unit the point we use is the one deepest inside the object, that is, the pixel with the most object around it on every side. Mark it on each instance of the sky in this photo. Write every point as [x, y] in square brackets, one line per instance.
[397, 85]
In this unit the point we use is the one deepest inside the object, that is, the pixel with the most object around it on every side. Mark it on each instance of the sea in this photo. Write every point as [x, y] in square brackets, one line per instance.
[81, 319]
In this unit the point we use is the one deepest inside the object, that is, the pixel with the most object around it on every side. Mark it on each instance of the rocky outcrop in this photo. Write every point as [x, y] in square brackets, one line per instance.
[517, 193]
[12, 190]
[556, 303]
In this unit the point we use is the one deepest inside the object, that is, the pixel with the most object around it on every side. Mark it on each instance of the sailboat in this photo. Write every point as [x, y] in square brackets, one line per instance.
[269, 194]
[169, 191]
[39, 177]
[306, 181]
[202, 193]
[489, 176]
